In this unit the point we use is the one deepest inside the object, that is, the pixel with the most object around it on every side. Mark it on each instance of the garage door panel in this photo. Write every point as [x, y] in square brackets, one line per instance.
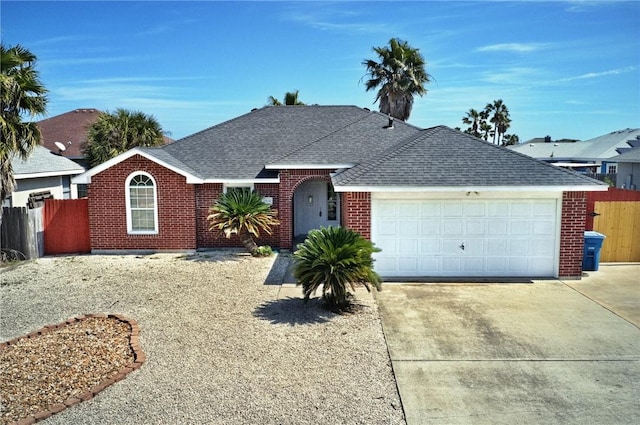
[503, 237]
[430, 227]
[452, 227]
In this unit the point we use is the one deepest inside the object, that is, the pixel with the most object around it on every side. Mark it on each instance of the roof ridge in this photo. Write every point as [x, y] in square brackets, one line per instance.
[314, 141]
[402, 145]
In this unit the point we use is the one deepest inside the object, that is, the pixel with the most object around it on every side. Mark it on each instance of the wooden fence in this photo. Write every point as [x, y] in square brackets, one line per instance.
[616, 214]
[66, 223]
[22, 232]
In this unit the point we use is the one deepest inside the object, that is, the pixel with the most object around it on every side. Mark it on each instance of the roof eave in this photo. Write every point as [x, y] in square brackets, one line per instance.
[562, 188]
[19, 176]
[85, 178]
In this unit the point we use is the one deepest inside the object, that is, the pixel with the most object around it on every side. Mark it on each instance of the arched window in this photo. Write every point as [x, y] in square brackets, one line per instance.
[142, 205]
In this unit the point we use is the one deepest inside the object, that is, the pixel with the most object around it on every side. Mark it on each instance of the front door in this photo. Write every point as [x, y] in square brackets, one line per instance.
[315, 205]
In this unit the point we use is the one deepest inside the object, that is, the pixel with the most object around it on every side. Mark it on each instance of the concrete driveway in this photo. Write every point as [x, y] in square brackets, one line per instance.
[547, 352]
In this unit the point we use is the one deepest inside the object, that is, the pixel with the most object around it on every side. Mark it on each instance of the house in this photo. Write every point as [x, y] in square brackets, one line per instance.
[628, 169]
[436, 201]
[69, 130]
[590, 156]
[66, 134]
[43, 175]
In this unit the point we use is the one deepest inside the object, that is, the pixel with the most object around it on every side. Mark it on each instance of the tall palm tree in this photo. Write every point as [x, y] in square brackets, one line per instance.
[290, 98]
[117, 132]
[21, 94]
[399, 75]
[473, 119]
[242, 212]
[500, 118]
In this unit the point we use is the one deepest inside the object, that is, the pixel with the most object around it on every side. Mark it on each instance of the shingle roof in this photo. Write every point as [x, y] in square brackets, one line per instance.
[43, 161]
[69, 129]
[443, 157]
[240, 148]
[598, 148]
[632, 155]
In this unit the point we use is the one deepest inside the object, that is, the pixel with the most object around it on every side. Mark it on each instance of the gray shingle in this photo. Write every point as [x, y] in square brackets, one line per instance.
[240, 148]
[42, 160]
[443, 157]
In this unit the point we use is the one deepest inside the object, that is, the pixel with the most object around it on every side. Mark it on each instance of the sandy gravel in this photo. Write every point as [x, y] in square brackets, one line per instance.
[222, 347]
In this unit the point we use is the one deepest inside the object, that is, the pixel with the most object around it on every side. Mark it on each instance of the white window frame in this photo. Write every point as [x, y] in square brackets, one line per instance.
[226, 186]
[612, 168]
[130, 229]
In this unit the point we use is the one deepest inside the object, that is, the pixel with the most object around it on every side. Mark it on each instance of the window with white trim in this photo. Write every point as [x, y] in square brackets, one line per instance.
[612, 168]
[142, 204]
[228, 187]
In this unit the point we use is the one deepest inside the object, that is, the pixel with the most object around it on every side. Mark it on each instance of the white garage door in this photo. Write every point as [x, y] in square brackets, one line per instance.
[465, 238]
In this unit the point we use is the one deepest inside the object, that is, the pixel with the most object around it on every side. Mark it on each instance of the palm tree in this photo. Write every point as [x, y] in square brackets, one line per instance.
[114, 133]
[335, 259]
[485, 129]
[473, 119]
[242, 212]
[500, 118]
[398, 76]
[290, 98]
[21, 94]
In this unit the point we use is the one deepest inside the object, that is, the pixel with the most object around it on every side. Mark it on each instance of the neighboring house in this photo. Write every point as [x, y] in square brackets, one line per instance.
[436, 201]
[70, 130]
[591, 155]
[43, 175]
[628, 169]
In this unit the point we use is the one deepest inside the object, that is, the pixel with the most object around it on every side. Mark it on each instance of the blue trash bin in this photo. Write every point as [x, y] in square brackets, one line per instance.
[592, 245]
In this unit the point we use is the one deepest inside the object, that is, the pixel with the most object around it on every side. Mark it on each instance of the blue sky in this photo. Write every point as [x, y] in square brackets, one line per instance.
[567, 69]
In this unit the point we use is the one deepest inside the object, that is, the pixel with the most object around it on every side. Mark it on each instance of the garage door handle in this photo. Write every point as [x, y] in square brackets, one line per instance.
[462, 246]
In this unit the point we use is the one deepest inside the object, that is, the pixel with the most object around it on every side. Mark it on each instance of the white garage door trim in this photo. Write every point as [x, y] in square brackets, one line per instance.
[466, 234]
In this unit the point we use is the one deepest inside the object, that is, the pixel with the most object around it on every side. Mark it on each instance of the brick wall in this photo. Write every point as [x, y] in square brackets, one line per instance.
[108, 216]
[356, 212]
[574, 209]
[206, 195]
[290, 180]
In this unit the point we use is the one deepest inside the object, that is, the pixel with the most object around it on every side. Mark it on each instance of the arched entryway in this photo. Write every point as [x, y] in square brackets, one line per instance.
[315, 204]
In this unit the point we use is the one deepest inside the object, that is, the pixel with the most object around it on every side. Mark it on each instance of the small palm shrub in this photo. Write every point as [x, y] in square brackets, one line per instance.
[242, 213]
[336, 259]
[264, 251]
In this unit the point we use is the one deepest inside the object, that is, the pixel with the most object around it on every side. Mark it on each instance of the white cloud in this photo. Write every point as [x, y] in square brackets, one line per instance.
[591, 75]
[512, 47]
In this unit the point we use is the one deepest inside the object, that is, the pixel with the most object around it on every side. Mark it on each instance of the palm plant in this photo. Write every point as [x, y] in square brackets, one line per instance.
[399, 75]
[473, 120]
[114, 133]
[21, 94]
[500, 118]
[290, 98]
[335, 259]
[243, 213]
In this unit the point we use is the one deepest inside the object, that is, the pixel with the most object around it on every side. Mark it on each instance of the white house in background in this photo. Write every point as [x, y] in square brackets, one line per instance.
[593, 155]
[43, 174]
[628, 175]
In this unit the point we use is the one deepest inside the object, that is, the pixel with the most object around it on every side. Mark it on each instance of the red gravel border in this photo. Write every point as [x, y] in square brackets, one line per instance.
[138, 356]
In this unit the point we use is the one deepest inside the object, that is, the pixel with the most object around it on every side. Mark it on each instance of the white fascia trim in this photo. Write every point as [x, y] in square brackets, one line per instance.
[307, 166]
[48, 174]
[85, 177]
[586, 188]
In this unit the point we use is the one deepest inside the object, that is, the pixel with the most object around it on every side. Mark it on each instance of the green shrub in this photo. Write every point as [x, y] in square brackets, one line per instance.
[264, 251]
[335, 259]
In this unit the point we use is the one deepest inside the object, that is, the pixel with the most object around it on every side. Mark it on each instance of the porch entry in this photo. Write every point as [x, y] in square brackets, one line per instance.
[315, 205]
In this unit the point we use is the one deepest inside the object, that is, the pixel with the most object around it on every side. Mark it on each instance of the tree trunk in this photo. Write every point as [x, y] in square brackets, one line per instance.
[249, 243]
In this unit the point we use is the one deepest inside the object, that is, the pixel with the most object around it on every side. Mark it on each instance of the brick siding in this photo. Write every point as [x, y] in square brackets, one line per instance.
[574, 209]
[356, 212]
[108, 216]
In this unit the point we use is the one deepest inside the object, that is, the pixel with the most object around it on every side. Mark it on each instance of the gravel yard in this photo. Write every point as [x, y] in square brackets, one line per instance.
[221, 346]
